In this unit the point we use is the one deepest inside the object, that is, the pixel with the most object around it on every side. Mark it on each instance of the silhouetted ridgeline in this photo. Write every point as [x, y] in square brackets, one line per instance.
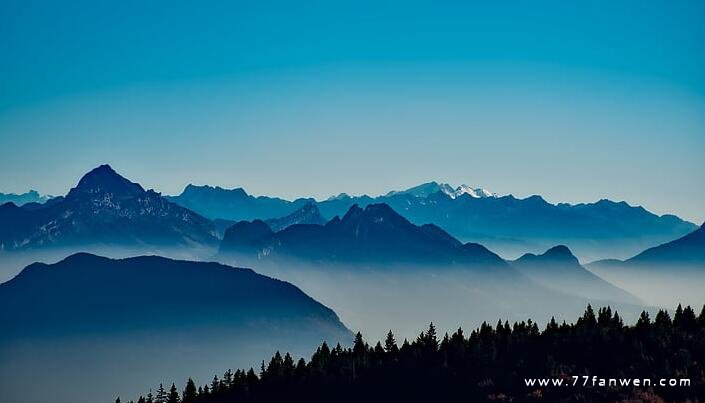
[491, 364]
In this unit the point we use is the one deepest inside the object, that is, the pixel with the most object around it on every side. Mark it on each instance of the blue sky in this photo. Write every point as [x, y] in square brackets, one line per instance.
[575, 103]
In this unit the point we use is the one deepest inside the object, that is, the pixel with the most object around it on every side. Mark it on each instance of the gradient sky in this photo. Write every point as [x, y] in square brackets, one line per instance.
[576, 103]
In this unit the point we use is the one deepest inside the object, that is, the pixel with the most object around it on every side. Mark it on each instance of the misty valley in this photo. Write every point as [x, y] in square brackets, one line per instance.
[121, 289]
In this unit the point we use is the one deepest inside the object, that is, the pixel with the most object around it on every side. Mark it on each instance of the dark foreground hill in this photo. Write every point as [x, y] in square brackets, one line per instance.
[582, 362]
[107, 323]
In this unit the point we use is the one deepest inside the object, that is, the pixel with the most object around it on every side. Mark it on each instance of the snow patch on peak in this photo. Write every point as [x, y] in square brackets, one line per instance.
[477, 193]
[426, 189]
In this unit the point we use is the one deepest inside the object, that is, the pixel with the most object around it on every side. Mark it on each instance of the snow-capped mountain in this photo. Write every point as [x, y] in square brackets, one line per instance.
[427, 189]
[477, 193]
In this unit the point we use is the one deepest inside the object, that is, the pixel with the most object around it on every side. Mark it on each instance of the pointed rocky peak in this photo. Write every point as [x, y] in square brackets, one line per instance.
[104, 180]
[307, 214]
[354, 212]
[374, 214]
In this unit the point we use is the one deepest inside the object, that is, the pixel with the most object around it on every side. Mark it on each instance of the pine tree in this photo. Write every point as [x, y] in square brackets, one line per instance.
[359, 345]
[173, 396]
[431, 341]
[300, 368]
[190, 393]
[288, 365]
[390, 344]
[215, 385]
[588, 318]
[663, 319]
[644, 321]
[118, 400]
[161, 395]
[678, 317]
[251, 377]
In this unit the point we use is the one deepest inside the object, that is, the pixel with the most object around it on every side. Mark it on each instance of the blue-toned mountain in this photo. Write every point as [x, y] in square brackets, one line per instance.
[110, 324]
[103, 209]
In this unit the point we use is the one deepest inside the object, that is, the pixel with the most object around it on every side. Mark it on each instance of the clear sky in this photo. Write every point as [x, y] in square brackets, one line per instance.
[576, 103]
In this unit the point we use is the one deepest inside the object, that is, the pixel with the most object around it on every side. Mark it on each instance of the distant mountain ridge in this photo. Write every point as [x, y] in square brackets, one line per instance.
[559, 269]
[233, 204]
[103, 208]
[505, 224]
[31, 196]
[688, 250]
[373, 235]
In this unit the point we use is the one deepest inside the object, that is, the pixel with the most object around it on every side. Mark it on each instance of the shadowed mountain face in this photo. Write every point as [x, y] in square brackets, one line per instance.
[373, 235]
[671, 273]
[559, 269]
[308, 214]
[104, 208]
[121, 322]
[686, 251]
[507, 225]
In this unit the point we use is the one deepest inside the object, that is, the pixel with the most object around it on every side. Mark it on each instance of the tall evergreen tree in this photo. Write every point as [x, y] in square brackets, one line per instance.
[390, 344]
[173, 396]
[190, 392]
[161, 396]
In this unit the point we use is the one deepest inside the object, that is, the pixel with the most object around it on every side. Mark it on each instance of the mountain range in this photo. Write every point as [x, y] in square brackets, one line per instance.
[374, 235]
[112, 324]
[506, 224]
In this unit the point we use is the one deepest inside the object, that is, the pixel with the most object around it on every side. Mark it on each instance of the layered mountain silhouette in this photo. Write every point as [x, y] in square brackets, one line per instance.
[104, 208]
[673, 272]
[110, 324]
[233, 204]
[31, 196]
[559, 269]
[686, 251]
[505, 224]
[375, 234]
